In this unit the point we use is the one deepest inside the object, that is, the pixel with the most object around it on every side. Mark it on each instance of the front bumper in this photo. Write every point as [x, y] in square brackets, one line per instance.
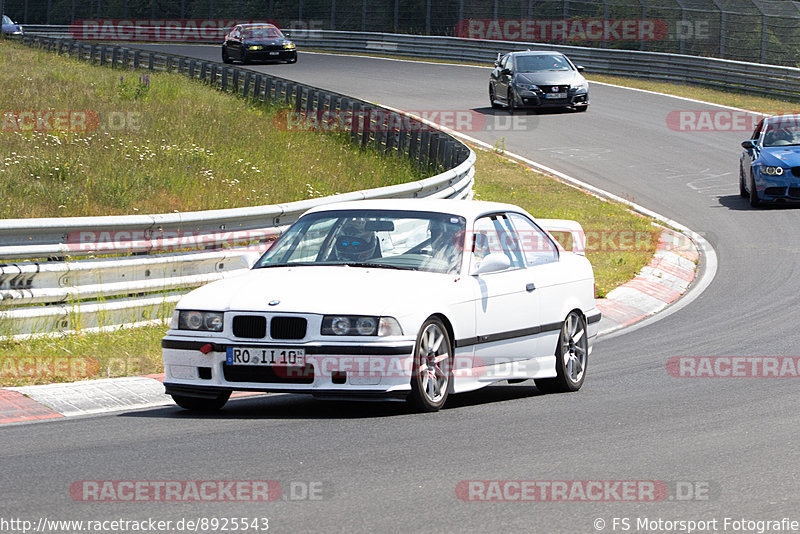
[272, 55]
[784, 188]
[331, 369]
[530, 99]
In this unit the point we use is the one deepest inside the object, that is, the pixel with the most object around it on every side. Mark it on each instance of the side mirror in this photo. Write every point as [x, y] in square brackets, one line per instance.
[506, 72]
[580, 68]
[748, 145]
[494, 262]
[497, 63]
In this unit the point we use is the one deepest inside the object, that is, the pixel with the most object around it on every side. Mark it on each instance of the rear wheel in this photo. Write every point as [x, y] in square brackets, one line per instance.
[202, 404]
[433, 367]
[572, 355]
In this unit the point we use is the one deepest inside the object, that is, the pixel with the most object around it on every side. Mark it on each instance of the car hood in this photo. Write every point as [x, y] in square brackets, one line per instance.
[322, 290]
[781, 155]
[550, 78]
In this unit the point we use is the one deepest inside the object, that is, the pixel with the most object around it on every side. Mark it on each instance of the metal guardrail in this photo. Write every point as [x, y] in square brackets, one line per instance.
[753, 78]
[59, 294]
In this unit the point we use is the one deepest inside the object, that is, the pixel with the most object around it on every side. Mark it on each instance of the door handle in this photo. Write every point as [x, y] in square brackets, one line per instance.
[530, 287]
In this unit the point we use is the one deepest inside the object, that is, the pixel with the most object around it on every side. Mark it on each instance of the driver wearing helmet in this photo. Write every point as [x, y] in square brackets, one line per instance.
[356, 242]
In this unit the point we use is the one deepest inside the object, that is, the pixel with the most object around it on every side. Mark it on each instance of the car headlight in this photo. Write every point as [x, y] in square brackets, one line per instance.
[289, 46]
[255, 47]
[199, 320]
[525, 86]
[581, 87]
[772, 171]
[360, 325]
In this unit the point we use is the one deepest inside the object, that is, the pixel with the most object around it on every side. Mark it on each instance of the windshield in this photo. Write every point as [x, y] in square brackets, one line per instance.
[408, 240]
[265, 32]
[543, 62]
[7, 20]
[783, 132]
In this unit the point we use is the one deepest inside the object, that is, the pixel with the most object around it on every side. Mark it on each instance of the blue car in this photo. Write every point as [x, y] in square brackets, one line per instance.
[769, 168]
[10, 27]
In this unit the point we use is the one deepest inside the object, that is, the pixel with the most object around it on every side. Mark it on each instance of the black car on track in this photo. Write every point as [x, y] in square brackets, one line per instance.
[545, 79]
[248, 42]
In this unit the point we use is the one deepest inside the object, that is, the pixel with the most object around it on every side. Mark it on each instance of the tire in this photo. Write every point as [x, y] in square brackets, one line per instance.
[572, 356]
[293, 60]
[581, 109]
[510, 102]
[494, 104]
[200, 404]
[225, 57]
[742, 189]
[754, 200]
[244, 59]
[432, 371]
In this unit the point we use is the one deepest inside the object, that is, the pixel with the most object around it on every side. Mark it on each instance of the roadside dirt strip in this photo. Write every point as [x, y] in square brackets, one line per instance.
[660, 283]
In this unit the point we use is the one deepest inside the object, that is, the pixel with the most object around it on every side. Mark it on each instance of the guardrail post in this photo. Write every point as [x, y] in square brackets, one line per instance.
[136, 57]
[257, 87]
[246, 88]
[224, 78]
[192, 65]
[150, 61]
[102, 55]
[235, 88]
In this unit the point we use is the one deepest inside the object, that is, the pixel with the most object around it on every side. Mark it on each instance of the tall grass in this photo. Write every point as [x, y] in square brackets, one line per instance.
[162, 143]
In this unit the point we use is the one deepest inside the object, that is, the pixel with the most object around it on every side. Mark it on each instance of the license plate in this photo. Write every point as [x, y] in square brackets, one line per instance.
[274, 356]
[274, 53]
[555, 95]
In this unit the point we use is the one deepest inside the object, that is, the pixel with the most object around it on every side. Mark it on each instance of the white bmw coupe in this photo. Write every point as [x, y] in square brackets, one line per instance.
[392, 299]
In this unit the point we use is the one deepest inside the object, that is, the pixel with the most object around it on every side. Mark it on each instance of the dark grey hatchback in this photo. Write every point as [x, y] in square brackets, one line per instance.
[537, 80]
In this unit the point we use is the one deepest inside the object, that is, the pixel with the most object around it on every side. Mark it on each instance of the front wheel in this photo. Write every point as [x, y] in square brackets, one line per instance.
[572, 355]
[492, 101]
[754, 200]
[201, 404]
[225, 57]
[510, 102]
[742, 189]
[433, 367]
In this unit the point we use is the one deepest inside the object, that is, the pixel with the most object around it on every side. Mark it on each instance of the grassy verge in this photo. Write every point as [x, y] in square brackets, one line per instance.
[154, 143]
[726, 98]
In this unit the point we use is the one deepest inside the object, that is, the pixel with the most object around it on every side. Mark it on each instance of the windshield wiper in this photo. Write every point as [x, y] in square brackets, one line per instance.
[379, 265]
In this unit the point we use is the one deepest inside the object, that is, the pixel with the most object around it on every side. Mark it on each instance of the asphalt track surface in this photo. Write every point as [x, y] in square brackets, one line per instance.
[382, 469]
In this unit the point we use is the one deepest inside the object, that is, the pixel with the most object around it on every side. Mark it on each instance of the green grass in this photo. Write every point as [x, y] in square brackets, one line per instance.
[162, 143]
[726, 98]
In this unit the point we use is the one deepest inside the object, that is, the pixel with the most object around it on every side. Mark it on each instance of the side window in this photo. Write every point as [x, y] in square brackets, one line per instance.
[504, 61]
[757, 131]
[536, 246]
[494, 233]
